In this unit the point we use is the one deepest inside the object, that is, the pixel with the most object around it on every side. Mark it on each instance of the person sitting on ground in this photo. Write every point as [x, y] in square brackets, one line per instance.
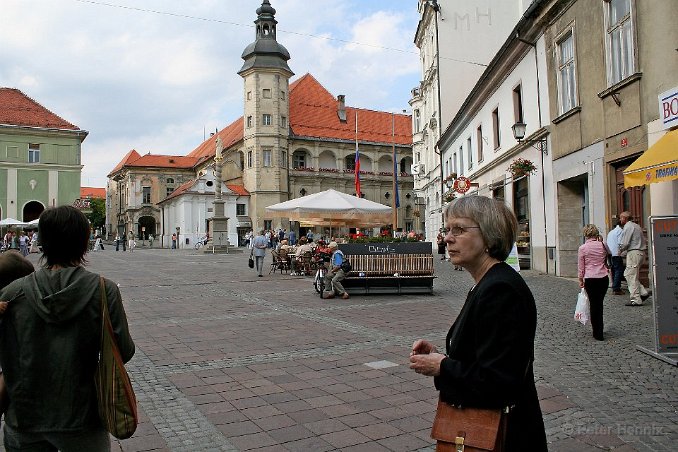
[335, 274]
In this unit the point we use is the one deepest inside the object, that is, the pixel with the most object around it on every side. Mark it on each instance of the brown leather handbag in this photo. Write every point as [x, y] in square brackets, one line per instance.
[461, 429]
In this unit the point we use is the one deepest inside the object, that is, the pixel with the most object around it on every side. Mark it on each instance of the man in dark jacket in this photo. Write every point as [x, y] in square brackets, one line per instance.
[50, 339]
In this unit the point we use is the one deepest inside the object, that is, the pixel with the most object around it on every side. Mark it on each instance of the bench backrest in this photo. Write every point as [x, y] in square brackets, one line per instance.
[389, 264]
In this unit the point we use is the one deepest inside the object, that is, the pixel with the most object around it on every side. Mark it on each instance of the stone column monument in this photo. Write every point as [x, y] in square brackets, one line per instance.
[218, 224]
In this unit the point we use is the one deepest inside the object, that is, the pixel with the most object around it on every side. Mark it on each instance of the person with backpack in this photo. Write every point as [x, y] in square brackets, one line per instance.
[338, 267]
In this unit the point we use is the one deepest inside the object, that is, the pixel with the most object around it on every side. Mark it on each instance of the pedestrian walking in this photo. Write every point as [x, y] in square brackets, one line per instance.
[592, 275]
[259, 245]
[50, 342]
[617, 267]
[440, 239]
[174, 241]
[490, 347]
[131, 244]
[632, 245]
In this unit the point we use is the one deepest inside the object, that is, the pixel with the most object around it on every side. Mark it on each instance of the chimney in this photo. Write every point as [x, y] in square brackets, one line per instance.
[341, 107]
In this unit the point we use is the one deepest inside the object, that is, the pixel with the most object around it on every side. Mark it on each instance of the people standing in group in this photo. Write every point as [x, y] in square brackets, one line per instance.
[248, 238]
[259, 245]
[50, 342]
[490, 347]
[335, 273]
[592, 274]
[632, 245]
[617, 262]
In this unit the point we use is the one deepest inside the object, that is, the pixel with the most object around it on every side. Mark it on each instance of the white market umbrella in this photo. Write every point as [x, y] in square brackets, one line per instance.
[334, 208]
[11, 222]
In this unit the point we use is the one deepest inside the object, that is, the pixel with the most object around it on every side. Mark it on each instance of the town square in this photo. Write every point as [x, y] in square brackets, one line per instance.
[273, 225]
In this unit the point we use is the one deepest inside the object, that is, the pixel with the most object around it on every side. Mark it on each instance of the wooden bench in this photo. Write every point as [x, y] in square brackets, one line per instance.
[390, 272]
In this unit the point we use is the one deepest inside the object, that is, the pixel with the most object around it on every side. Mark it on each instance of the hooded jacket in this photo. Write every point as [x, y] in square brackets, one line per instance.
[50, 337]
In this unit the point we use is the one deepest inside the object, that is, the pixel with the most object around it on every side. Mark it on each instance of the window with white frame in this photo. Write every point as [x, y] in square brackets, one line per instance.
[241, 209]
[567, 92]
[299, 159]
[283, 121]
[619, 40]
[283, 159]
[33, 153]
[266, 119]
[454, 163]
[146, 195]
[417, 121]
[249, 159]
[249, 121]
[461, 160]
[266, 153]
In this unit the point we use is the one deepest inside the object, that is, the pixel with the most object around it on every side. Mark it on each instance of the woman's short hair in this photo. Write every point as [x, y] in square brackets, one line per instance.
[64, 236]
[498, 225]
[13, 266]
[591, 230]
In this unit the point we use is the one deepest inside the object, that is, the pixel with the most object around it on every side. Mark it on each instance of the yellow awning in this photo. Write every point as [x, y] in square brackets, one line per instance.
[658, 164]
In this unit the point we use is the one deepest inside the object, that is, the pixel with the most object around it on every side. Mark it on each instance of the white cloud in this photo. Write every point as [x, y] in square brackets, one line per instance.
[154, 82]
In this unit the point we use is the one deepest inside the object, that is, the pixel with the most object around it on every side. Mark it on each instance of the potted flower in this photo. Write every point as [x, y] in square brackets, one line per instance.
[449, 196]
[521, 167]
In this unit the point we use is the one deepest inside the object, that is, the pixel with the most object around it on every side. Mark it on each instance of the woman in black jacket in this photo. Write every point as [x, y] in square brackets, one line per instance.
[50, 339]
[489, 349]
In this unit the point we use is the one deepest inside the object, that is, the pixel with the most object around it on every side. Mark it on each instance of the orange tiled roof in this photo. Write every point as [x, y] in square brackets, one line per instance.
[230, 135]
[129, 157]
[92, 192]
[18, 109]
[313, 113]
[238, 189]
[183, 188]
[133, 159]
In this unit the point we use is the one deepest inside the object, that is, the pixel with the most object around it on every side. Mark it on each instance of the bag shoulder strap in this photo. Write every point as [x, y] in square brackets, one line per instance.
[104, 308]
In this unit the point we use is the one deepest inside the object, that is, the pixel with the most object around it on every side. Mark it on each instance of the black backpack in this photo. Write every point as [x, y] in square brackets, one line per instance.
[346, 265]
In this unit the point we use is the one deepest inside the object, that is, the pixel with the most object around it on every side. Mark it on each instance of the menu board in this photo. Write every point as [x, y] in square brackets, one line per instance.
[664, 242]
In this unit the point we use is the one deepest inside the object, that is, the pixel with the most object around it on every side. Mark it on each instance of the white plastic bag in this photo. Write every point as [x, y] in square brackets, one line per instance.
[582, 312]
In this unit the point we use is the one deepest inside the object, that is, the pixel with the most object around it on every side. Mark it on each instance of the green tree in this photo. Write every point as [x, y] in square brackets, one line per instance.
[98, 215]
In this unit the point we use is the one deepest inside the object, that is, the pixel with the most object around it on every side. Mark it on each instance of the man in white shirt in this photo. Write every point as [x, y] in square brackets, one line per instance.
[618, 267]
[632, 245]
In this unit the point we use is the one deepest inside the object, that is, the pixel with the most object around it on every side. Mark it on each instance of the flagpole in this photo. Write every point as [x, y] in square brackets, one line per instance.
[395, 167]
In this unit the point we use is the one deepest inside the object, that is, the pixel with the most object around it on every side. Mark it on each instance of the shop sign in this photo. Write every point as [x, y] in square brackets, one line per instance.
[462, 184]
[81, 203]
[668, 108]
[664, 260]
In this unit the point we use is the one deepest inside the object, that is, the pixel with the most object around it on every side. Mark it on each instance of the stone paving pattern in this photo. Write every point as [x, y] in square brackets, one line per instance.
[227, 361]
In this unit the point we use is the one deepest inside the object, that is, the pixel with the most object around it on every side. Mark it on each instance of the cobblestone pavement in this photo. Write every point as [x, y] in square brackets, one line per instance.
[228, 361]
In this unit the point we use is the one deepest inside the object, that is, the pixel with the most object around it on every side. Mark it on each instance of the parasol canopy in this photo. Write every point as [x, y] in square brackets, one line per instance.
[658, 164]
[334, 208]
[11, 222]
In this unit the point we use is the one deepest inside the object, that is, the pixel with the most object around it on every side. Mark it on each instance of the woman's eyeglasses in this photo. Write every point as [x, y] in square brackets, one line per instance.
[459, 230]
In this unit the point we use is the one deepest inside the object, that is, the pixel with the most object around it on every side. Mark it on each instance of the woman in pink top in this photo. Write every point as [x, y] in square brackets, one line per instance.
[593, 275]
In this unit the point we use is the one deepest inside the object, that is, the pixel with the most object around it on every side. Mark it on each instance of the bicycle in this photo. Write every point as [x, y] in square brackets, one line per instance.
[318, 261]
[201, 242]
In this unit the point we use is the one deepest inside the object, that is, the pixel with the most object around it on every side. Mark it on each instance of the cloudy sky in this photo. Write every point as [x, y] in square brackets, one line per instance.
[154, 75]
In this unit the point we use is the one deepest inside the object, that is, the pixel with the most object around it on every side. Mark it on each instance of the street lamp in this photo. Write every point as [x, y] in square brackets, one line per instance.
[519, 134]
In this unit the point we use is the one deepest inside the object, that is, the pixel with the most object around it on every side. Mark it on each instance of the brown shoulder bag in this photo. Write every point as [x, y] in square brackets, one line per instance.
[460, 429]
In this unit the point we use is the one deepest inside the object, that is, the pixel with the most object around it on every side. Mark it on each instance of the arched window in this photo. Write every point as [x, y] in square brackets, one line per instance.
[170, 180]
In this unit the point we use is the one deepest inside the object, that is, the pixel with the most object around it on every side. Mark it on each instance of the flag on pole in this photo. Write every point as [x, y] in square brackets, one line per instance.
[357, 159]
[395, 175]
